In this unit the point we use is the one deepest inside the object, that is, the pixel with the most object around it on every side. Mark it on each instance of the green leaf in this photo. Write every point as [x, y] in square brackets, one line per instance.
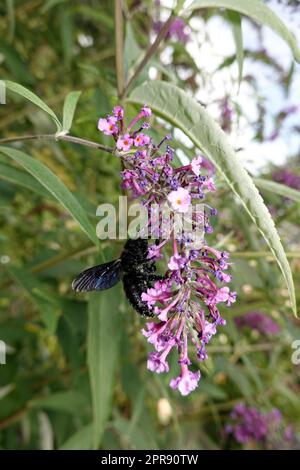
[288, 80]
[138, 439]
[66, 33]
[14, 63]
[264, 275]
[99, 17]
[184, 112]
[69, 109]
[48, 306]
[10, 6]
[104, 332]
[81, 440]
[278, 188]
[21, 90]
[287, 392]
[25, 180]
[55, 186]
[253, 372]
[132, 51]
[238, 377]
[179, 6]
[214, 392]
[235, 20]
[50, 4]
[259, 12]
[21, 178]
[69, 402]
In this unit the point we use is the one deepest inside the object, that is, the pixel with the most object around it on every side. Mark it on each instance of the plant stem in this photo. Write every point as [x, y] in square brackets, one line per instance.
[119, 46]
[61, 257]
[149, 53]
[262, 254]
[241, 349]
[16, 416]
[67, 138]
[87, 143]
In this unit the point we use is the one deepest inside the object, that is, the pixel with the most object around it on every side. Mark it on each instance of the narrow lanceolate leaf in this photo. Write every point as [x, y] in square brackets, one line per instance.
[69, 401]
[29, 95]
[235, 20]
[277, 188]
[184, 112]
[55, 186]
[69, 109]
[259, 12]
[48, 306]
[81, 440]
[50, 4]
[104, 330]
[11, 18]
[66, 26]
[25, 180]
[21, 178]
[14, 62]
[132, 50]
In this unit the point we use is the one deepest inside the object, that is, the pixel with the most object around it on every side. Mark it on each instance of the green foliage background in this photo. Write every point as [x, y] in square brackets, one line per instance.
[75, 375]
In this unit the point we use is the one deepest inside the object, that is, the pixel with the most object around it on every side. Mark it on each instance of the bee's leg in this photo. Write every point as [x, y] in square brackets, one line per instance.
[149, 267]
[146, 269]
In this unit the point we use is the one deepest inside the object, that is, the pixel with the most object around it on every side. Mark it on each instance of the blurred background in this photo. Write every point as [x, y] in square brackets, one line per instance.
[249, 391]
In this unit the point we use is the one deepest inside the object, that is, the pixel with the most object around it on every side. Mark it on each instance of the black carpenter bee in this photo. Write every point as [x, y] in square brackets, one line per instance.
[136, 271]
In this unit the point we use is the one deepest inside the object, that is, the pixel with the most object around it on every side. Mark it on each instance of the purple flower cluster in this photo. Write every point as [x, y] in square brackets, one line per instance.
[185, 302]
[125, 139]
[257, 321]
[249, 425]
[288, 178]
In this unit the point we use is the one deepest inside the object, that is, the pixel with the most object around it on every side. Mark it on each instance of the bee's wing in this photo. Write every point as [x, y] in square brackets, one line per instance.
[99, 277]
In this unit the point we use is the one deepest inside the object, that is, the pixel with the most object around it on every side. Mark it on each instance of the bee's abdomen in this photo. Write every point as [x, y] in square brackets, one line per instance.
[134, 286]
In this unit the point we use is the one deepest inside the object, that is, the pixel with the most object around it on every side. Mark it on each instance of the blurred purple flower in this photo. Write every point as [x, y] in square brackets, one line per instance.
[287, 177]
[257, 321]
[249, 425]
[226, 115]
[280, 118]
[177, 30]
